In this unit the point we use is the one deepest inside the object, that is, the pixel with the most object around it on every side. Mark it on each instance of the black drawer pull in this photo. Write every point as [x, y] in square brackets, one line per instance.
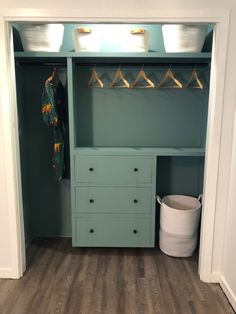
[91, 169]
[135, 231]
[135, 201]
[91, 201]
[136, 169]
[91, 230]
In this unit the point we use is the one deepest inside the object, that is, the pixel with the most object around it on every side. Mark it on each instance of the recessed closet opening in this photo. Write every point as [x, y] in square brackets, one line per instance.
[130, 131]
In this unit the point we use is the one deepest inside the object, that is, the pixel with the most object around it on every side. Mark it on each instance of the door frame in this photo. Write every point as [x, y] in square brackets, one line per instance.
[8, 108]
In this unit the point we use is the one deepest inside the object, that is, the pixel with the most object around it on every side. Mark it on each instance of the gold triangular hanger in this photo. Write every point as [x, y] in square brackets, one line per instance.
[194, 78]
[119, 77]
[140, 78]
[170, 75]
[94, 80]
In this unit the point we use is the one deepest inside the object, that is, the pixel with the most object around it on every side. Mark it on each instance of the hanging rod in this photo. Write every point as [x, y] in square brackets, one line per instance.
[147, 65]
[178, 66]
[22, 63]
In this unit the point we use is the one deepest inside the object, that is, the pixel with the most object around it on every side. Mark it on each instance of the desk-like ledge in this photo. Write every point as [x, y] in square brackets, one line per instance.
[158, 151]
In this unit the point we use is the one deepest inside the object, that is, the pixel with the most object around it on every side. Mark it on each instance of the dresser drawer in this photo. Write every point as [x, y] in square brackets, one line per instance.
[113, 169]
[113, 200]
[101, 230]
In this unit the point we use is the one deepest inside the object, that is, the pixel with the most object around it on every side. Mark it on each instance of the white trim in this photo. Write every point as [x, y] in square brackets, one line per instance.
[228, 292]
[11, 154]
[120, 15]
[216, 98]
[11, 146]
[228, 258]
[215, 277]
[7, 273]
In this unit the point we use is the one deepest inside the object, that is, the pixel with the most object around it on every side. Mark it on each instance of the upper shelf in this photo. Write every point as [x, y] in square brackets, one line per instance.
[101, 57]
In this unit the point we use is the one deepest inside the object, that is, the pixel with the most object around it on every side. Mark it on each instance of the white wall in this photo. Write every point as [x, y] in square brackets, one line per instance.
[4, 219]
[226, 205]
[94, 5]
[148, 8]
[228, 278]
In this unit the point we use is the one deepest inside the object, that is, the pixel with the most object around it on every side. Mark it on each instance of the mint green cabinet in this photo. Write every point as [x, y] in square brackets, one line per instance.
[116, 138]
[113, 169]
[113, 231]
[97, 199]
[114, 200]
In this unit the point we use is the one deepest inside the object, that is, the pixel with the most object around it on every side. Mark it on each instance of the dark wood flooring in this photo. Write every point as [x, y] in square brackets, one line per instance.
[62, 279]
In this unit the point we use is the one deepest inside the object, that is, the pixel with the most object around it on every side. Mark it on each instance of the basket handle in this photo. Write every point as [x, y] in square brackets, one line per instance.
[200, 198]
[159, 199]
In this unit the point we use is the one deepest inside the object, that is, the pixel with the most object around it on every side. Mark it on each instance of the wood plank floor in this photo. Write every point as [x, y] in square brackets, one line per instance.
[62, 279]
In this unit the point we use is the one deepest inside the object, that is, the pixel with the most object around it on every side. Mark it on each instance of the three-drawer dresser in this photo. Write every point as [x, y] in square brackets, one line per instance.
[113, 200]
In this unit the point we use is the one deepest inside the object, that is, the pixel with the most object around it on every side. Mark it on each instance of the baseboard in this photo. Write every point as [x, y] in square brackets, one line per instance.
[210, 277]
[6, 273]
[228, 292]
[215, 277]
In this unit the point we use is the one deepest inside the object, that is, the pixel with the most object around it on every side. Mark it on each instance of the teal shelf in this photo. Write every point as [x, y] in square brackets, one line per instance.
[111, 57]
[37, 54]
[157, 151]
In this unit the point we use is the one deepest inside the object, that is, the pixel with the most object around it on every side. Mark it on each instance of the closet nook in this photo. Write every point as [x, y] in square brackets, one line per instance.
[123, 146]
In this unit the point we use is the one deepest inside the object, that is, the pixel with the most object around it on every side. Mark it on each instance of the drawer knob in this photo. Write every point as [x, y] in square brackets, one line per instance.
[91, 230]
[135, 201]
[136, 169]
[91, 169]
[91, 200]
[135, 231]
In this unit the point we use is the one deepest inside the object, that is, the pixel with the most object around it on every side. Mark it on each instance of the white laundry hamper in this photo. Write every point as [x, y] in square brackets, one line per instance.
[179, 222]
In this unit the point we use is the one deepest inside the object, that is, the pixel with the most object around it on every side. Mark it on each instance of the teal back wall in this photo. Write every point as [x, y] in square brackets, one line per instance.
[140, 117]
[180, 175]
[46, 202]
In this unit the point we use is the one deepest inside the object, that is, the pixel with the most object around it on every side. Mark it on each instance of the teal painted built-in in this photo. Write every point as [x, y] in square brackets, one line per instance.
[125, 146]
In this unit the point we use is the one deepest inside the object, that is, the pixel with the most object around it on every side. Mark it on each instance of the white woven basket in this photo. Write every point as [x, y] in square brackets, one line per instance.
[177, 245]
[86, 39]
[41, 37]
[184, 38]
[179, 222]
[135, 40]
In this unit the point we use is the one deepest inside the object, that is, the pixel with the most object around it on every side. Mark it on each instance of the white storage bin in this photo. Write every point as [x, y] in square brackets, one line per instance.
[136, 40]
[179, 221]
[184, 38]
[86, 39]
[41, 37]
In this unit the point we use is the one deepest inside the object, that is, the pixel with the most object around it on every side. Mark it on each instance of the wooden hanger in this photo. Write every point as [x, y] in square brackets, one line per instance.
[170, 75]
[119, 77]
[54, 78]
[142, 77]
[194, 78]
[94, 80]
